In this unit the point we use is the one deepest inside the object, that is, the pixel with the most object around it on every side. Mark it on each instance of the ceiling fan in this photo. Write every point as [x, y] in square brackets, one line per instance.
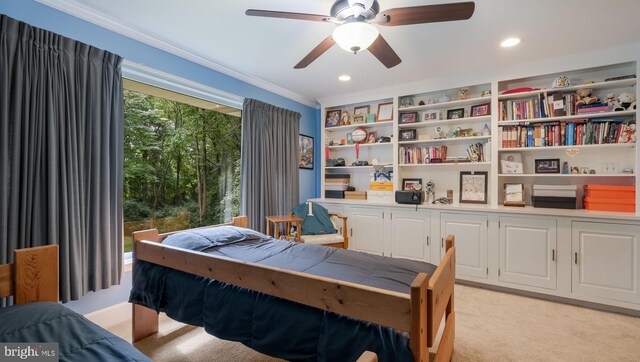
[356, 30]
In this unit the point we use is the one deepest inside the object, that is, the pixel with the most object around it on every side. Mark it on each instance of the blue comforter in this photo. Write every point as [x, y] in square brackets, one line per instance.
[78, 339]
[271, 325]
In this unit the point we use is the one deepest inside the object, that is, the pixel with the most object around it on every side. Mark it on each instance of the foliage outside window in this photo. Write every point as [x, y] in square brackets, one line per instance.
[181, 167]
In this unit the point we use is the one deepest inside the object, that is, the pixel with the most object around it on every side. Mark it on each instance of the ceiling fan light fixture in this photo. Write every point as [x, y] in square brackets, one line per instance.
[355, 36]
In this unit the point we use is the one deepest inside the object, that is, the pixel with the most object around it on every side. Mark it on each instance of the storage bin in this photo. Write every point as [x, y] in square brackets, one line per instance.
[355, 195]
[610, 192]
[554, 202]
[608, 204]
[328, 194]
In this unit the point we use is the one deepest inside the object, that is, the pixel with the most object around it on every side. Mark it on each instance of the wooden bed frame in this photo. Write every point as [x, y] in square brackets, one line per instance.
[418, 313]
[33, 277]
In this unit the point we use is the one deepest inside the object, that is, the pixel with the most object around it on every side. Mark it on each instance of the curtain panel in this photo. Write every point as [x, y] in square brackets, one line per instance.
[61, 154]
[269, 180]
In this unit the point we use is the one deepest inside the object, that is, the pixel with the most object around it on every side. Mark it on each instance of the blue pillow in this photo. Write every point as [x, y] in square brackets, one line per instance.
[204, 238]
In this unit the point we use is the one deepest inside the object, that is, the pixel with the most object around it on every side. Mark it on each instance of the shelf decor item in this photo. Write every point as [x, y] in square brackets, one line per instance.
[455, 113]
[411, 117]
[548, 165]
[359, 135]
[361, 110]
[410, 183]
[473, 187]
[431, 116]
[481, 110]
[511, 163]
[514, 195]
[345, 119]
[371, 118]
[408, 135]
[385, 112]
[305, 152]
[333, 118]
[359, 118]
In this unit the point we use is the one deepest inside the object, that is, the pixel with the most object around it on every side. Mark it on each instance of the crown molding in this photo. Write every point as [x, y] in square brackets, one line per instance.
[114, 25]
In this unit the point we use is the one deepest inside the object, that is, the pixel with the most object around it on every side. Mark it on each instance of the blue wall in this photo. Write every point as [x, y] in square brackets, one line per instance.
[48, 18]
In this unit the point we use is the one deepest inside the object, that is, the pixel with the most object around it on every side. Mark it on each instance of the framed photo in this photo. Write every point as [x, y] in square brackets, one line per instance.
[455, 113]
[481, 110]
[473, 187]
[431, 116]
[549, 165]
[511, 163]
[349, 139]
[411, 117]
[385, 112]
[305, 152]
[372, 137]
[361, 110]
[359, 118]
[410, 183]
[333, 118]
[345, 119]
[514, 195]
[408, 134]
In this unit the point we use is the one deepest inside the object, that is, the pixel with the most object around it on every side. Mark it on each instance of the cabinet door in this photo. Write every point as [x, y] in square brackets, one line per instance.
[605, 260]
[410, 232]
[470, 231]
[528, 251]
[367, 229]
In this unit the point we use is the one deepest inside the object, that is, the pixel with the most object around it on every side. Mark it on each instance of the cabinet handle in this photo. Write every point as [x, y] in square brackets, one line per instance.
[442, 242]
[553, 254]
[427, 241]
[576, 258]
[351, 231]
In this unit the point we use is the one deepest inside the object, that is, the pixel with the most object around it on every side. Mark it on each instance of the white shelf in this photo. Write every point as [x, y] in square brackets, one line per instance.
[568, 118]
[446, 164]
[349, 168]
[450, 104]
[563, 175]
[555, 148]
[600, 85]
[441, 140]
[445, 121]
[354, 126]
[361, 145]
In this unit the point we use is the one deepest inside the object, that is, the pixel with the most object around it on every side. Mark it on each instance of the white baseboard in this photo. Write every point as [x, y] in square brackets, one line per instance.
[111, 316]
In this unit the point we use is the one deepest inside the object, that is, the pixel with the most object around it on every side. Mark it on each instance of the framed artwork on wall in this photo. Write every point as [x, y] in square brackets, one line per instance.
[305, 152]
[473, 187]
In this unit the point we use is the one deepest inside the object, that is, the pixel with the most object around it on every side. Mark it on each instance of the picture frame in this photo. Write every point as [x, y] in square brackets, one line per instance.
[409, 183]
[345, 119]
[511, 163]
[349, 139]
[385, 112]
[514, 195]
[372, 137]
[455, 113]
[480, 110]
[333, 118]
[547, 165]
[305, 152]
[408, 134]
[410, 117]
[361, 109]
[359, 118]
[473, 187]
[431, 116]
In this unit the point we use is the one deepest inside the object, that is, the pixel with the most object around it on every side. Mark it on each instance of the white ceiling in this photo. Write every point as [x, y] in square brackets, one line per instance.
[266, 49]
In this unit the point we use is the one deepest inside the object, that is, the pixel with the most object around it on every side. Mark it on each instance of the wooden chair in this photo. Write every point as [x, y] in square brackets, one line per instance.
[337, 240]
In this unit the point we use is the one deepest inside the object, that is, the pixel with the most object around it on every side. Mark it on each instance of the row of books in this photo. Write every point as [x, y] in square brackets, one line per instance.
[544, 106]
[412, 155]
[578, 132]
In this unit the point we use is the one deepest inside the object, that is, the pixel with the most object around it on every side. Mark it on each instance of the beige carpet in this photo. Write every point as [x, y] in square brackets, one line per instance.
[491, 326]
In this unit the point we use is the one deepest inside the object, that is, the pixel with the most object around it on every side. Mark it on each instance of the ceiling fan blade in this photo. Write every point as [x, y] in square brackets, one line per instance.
[286, 15]
[385, 54]
[426, 14]
[316, 52]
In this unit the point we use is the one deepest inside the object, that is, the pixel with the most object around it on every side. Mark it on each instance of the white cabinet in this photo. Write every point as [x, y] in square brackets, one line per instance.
[470, 231]
[367, 229]
[410, 235]
[528, 251]
[605, 260]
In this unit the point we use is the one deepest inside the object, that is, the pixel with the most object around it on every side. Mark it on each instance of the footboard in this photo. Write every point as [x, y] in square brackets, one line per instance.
[33, 277]
[404, 312]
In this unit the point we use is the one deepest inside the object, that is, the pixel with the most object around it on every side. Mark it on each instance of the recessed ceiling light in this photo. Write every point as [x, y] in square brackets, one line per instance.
[509, 42]
[344, 78]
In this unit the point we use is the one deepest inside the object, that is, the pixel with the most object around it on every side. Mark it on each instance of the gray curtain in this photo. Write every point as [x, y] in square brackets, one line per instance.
[269, 182]
[61, 154]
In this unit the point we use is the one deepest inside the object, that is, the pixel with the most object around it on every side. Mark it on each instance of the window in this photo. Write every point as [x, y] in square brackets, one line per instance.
[181, 161]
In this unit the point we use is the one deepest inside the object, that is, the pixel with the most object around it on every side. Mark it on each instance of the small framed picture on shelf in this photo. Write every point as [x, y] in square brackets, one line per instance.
[305, 152]
[514, 195]
[410, 183]
[431, 116]
[473, 187]
[455, 113]
[372, 137]
[408, 134]
[349, 139]
[333, 118]
[361, 109]
[359, 118]
[385, 112]
[511, 163]
[411, 117]
[345, 119]
[548, 165]
[481, 110]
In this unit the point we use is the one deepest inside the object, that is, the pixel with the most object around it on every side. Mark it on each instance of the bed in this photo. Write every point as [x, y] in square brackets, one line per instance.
[273, 303]
[37, 317]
